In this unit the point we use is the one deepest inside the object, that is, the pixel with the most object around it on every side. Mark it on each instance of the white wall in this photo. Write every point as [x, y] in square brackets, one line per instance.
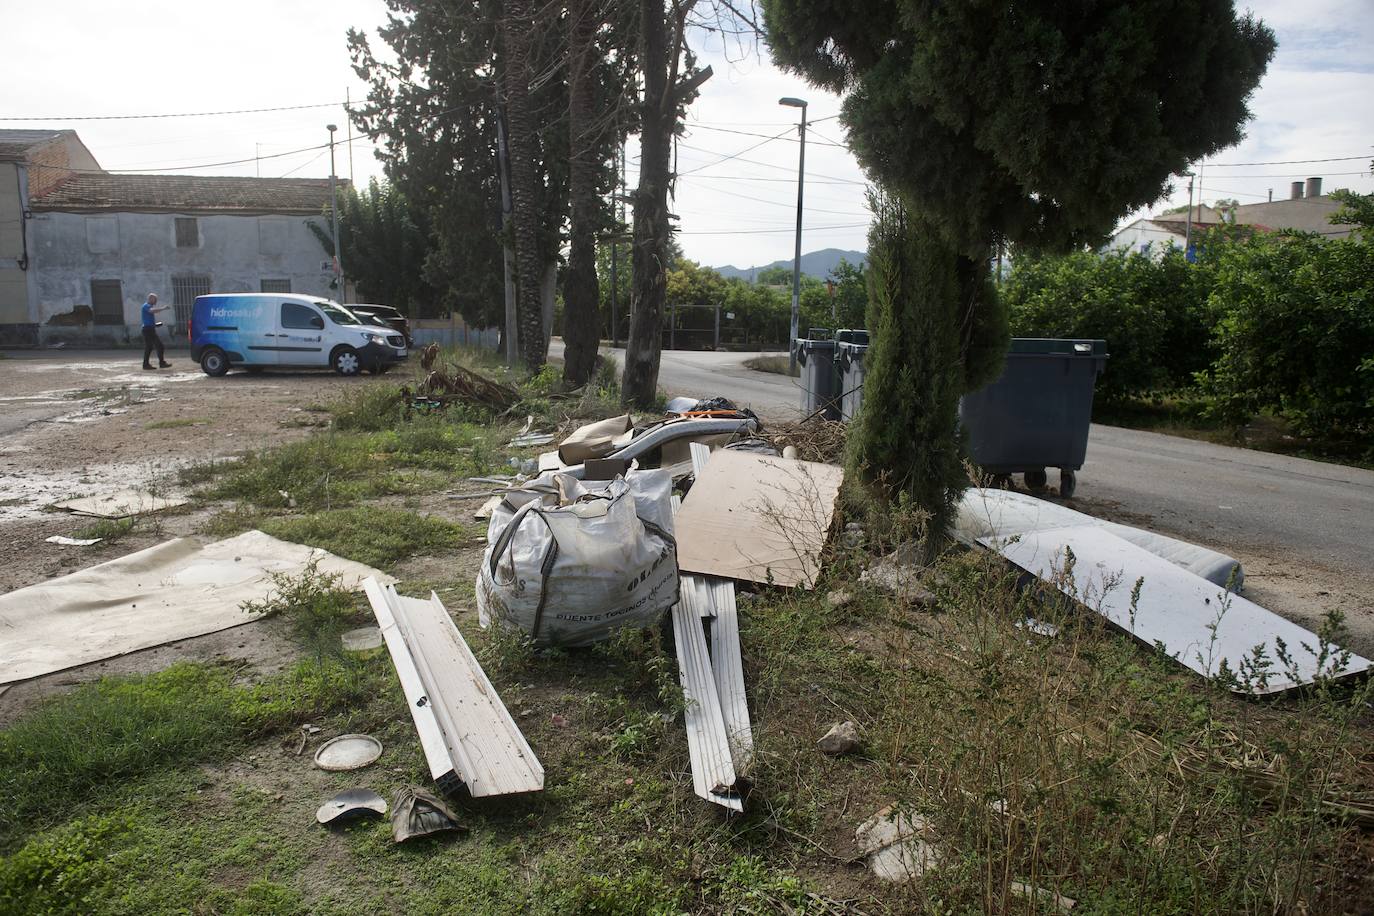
[1137, 235]
[139, 249]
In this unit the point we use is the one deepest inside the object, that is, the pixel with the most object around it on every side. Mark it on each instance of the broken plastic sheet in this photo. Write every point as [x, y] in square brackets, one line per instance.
[120, 504]
[1189, 618]
[988, 512]
[167, 592]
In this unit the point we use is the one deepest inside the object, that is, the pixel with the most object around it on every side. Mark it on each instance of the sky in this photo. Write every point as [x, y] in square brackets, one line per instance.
[157, 57]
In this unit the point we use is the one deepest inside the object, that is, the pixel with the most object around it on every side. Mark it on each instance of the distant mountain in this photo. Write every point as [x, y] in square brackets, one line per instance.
[816, 264]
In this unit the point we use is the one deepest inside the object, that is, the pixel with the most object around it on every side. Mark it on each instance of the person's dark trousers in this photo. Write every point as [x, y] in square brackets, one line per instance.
[152, 342]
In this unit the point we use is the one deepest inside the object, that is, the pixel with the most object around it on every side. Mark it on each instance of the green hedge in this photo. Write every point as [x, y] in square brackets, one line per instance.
[1151, 311]
[1294, 327]
[1281, 323]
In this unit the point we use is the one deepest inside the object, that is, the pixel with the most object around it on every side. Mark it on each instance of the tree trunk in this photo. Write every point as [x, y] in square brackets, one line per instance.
[639, 385]
[581, 323]
[905, 441]
[515, 32]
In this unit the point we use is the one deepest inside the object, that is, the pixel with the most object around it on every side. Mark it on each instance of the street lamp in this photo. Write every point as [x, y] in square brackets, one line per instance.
[334, 215]
[1188, 221]
[796, 254]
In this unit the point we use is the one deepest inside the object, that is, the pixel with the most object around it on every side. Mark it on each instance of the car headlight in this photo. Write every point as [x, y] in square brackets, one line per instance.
[372, 337]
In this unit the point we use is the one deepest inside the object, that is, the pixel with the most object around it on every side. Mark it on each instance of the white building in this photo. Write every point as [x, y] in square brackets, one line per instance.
[97, 243]
[1306, 209]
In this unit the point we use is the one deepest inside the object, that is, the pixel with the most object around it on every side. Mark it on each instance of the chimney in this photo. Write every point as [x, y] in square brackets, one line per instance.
[1314, 187]
[1297, 190]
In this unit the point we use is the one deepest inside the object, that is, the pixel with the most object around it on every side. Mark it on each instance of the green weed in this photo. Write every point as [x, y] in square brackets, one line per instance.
[314, 603]
[111, 530]
[177, 423]
[375, 536]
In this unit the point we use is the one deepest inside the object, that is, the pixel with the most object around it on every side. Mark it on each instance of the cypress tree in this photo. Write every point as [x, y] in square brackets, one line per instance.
[1034, 122]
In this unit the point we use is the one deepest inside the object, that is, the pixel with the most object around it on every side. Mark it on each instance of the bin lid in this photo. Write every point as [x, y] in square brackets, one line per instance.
[852, 335]
[1052, 346]
[811, 345]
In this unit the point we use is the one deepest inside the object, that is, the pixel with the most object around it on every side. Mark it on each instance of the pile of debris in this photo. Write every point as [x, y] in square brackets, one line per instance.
[619, 526]
[446, 383]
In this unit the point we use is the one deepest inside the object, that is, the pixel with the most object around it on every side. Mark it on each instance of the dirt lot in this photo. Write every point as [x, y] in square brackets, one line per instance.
[82, 424]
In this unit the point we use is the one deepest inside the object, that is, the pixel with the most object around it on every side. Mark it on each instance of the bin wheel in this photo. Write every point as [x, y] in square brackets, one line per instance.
[1068, 482]
[1035, 480]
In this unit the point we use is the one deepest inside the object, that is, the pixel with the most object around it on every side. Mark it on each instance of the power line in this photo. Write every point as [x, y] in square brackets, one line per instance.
[179, 114]
[731, 156]
[789, 230]
[1291, 175]
[205, 165]
[767, 165]
[791, 181]
[1233, 165]
[749, 133]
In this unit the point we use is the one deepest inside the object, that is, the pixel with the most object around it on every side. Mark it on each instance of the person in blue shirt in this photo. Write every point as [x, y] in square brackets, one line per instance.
[151, 341]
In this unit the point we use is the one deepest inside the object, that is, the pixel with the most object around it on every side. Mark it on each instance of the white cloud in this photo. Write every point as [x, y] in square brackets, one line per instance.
[84, 57]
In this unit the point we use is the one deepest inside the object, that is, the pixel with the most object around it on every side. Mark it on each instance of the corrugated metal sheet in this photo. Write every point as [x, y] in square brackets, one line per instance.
[466, 732]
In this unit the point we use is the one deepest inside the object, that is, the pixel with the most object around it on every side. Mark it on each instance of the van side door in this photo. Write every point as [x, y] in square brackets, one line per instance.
[300, 336]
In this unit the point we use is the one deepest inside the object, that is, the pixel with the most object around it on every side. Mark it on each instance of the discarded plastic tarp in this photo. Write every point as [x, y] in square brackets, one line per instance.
[167, 592]
[1189, 618]
[569, 562]
[989, 512]
[467, 734]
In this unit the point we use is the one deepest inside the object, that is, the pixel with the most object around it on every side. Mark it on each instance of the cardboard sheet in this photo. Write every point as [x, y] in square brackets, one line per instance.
[758, 518]
[167, 592]
[1193, 620]
[120, 504]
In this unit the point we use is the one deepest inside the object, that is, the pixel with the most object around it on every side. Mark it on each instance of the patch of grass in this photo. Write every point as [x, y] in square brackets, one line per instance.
[178, 423]
[74, 749]
[335, 469]
[314, 603]
[368, 408]
[323, 471]
[775, 364]
[111, 530]
[376, 536]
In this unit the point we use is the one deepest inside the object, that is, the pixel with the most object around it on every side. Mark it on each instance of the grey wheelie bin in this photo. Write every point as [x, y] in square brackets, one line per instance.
[1036, 415]
[851, 346]
[816, 359]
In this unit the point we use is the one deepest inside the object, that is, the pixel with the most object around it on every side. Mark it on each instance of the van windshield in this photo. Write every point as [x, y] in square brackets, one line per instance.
[338, 314]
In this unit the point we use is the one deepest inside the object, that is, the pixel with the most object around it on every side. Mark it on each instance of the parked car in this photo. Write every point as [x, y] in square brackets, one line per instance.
[268, 330]
[384, 315]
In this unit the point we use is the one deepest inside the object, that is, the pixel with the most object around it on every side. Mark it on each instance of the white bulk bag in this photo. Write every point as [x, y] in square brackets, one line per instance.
[569, 562]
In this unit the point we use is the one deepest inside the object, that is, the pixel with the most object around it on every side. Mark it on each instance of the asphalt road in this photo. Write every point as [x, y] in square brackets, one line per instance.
[1237, 500]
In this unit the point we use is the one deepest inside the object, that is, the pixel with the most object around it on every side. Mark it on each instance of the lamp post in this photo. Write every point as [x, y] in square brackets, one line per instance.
[334, 215]
[1188, 222]
[796, 254]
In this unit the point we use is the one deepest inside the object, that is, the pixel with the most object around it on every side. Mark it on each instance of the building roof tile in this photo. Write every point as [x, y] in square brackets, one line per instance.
[87, 192]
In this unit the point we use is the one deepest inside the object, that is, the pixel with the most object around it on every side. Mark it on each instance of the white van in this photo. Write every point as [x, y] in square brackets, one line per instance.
[271, 330]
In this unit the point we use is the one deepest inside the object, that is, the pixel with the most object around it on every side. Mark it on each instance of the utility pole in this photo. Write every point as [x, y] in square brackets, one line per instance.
[348, 114]
[617, 192]
[334, 216]
[796, 254]
[1188, 223]
[503, 166]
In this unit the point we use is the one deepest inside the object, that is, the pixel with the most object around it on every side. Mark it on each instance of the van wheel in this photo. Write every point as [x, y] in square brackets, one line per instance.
[213, 362]
[345, 361]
